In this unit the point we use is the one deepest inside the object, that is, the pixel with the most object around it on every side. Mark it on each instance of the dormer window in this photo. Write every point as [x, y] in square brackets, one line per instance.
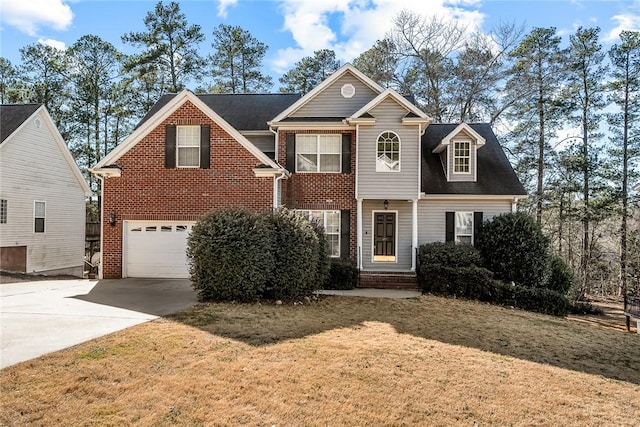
[461, 157]
[388, 152]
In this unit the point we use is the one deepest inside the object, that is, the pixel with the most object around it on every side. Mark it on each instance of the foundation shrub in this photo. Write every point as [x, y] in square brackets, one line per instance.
[343, 274]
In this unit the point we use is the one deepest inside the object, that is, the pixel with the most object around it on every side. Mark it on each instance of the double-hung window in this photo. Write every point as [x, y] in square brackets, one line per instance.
[318, 153]
[330, 220]
[464, 227]
[3, 211]
[461, 157]
[188, 146]
[39, 216]
[388, 152]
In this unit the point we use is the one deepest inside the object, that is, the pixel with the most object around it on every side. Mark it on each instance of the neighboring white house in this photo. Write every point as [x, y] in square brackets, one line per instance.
[42, 195]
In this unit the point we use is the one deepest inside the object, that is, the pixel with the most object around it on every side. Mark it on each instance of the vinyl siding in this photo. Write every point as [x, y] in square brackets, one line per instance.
[384, 185]
[265, 143]
[431, 215]
[330, 103]
[403, 238]
[32, 168]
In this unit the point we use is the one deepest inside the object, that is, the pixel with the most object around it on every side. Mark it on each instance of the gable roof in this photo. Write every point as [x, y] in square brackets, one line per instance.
[461, 128]
[414, 113]
[495, 174]
[171, 104]
[14, 115]
[245, 112]
[346, 68]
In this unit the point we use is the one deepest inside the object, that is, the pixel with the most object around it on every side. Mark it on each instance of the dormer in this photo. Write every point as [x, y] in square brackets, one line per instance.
[459, 153]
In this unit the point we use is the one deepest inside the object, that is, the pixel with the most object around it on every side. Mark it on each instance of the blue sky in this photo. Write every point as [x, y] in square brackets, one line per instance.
[294, 29]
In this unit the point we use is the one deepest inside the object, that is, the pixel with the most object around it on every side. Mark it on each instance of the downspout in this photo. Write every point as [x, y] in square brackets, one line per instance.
[101, 178]
[514, 205]
[276, 188]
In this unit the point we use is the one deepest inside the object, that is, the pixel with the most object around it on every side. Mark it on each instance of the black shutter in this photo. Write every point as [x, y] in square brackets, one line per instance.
[450, 226]
[345, 234]
[291, 152]
[477, 225]
[205, 150]
[170, 146]
[346, 153]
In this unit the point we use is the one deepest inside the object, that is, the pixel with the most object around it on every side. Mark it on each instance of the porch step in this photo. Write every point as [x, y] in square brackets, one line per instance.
[388, 280]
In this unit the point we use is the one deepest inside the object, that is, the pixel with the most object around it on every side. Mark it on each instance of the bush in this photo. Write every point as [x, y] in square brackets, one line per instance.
[561, 278]
[343, 274]
[324, 263]
[541, 300]
[515, 249]
[470, 282]
[296, 256]
[449, 254]
[230, 255]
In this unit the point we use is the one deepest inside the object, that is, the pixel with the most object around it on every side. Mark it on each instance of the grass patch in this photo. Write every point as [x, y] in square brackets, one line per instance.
[337, 361]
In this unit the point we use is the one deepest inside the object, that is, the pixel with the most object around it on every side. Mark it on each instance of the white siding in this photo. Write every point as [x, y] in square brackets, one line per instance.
[330, 103]
[431, 215]
[384, 185]
[403, 238]
[265, 143]
[33, 168]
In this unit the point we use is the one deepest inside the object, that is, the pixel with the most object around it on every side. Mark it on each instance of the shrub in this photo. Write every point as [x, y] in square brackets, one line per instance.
[470, 282]
[230, 255]
[515, 249]
[343, 274]
[561, 278]
[324, 263]
[541, 300]
[449, 254]
[296, 252]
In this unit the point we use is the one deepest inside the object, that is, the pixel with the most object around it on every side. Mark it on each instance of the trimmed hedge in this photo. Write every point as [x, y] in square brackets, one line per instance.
[343, 274]
[449, 254]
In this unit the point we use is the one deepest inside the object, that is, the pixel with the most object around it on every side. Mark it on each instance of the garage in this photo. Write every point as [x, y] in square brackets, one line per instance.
[156, 249]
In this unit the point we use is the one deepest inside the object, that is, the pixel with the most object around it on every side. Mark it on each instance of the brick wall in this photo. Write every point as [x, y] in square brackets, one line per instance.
[146, 190]
[323, 191]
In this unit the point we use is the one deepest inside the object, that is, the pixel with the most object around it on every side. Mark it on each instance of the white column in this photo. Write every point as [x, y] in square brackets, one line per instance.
[414, 233]
[359, 235]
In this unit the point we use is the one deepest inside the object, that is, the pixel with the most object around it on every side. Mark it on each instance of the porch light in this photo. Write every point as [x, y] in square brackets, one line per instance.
[112, 219]
[386, 204]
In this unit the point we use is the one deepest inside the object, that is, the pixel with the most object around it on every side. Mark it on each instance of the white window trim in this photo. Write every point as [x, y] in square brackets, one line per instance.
[324, 224]
[455, 227]
[453, 153]
[178, 165]
[44, 225]
[373, 237]
[399, 153]
[317, 135]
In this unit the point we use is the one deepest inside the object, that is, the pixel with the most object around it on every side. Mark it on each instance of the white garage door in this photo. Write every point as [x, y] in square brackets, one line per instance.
[156, 249]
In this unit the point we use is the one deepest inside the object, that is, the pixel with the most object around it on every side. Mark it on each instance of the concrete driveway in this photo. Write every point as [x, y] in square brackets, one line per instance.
[40, 317]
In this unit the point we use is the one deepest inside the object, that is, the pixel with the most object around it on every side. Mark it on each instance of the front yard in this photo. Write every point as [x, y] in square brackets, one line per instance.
[337, 361]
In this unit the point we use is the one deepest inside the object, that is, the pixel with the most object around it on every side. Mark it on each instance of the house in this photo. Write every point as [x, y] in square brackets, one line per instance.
[42, 195]
[361, 159]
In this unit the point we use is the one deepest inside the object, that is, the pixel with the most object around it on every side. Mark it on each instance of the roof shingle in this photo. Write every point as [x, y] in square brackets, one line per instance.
[12, 116]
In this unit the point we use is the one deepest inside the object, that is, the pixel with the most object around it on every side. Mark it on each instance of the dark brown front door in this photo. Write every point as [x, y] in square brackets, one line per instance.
[384, 238]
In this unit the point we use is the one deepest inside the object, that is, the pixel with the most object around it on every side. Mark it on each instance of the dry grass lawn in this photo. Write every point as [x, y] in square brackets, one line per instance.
[337, 362]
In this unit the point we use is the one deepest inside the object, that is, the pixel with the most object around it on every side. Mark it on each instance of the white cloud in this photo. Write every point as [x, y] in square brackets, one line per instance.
[349, 27]
[29, 15]
[53, 43]
[628, 22]
[224, 5]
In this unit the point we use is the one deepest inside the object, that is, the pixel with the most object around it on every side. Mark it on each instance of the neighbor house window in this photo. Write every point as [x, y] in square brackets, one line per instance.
[3, 211]
[388, 153]
[330, 220]
[188, 146]
[464, 227]
[39, 215]
[461, 156]
[318, 153]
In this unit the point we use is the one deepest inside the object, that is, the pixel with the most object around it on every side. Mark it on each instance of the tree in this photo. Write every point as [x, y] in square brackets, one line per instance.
[537, 78]
[380, 63]
[625, 93]
[171, 46]
[237, 60]
[8, 82]
[309, 72]
[585, 95]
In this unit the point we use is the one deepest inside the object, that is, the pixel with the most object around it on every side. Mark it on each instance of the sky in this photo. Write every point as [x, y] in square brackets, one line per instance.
[294, 29]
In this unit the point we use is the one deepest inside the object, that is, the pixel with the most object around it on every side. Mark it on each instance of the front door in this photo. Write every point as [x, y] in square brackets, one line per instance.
[384, 238]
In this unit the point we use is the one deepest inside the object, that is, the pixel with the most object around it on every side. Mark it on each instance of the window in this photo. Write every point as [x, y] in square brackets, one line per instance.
[330, 220]
[39, 212]
[464, 227]
[188, 146]
[388, 159]
[461, 156]
[3, 211]
[318, 153]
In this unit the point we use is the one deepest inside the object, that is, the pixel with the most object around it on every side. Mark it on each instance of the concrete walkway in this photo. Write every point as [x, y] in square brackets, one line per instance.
[372, 293]
[40, 317]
